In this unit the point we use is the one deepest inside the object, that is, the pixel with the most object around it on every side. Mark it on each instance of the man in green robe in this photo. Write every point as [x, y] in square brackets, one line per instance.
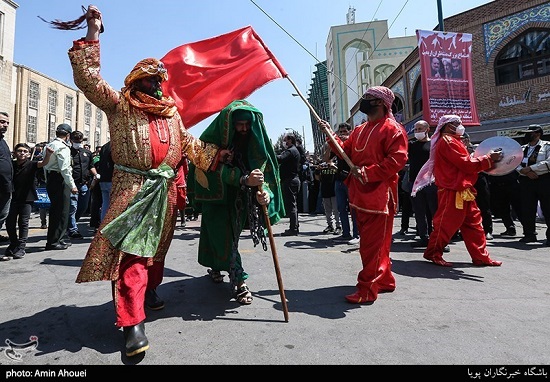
[233, 196]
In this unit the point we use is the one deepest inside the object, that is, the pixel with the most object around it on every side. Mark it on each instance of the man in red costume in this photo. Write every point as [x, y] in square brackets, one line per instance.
[455, 172]
[378, 150]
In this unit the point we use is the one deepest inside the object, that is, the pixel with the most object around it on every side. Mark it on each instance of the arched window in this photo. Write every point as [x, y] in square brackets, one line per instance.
[525, 57]
[382, 72]
[357, 76]
[397, 109]
[417, 96]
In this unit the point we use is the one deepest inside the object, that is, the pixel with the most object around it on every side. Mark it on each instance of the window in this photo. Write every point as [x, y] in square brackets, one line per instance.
[98, 121]
[31, 129]
[525, 57]
[382, 72]
[68, 108]
[96, 139]
[417, 96]
[87, 114]
[52, 101]
[52, 126]
[34, 93]
[397, 109]
[2, 22]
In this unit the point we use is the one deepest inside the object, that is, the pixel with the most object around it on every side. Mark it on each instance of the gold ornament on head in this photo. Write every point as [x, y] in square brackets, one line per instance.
[159, 70]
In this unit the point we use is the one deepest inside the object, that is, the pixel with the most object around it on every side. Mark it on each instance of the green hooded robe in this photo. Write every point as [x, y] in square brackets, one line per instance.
[218, 194]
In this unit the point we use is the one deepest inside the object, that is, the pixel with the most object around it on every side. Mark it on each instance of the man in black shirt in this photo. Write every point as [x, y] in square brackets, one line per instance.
[425, 201]
[82, 168]
[289, 168]
[23, 197]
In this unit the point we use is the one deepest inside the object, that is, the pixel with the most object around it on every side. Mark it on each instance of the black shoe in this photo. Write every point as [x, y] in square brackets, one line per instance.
[5, 258]
[528, 239]
[447, 249]
[403, 231]
[67, 243]
[19, 254]
[290, 232]
[422, 243]
[75, 235]
[136, 340]
[50, 247]
[509, 232]
[152, 300]
[343, 238]
[4, 239]
[488, 236]
[329, 229]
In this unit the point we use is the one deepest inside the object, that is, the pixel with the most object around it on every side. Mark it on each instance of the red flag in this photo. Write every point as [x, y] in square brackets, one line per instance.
[205, 76]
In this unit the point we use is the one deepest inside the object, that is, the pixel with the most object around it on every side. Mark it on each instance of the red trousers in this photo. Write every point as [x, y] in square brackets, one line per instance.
[375, 234]
[137, 274]
[448, 220]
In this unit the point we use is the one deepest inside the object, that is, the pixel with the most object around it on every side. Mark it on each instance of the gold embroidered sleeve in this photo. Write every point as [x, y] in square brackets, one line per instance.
[85, 61]
[202, 154]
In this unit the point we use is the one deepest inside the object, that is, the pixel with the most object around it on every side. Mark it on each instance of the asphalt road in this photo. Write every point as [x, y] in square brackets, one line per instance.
[464, 315]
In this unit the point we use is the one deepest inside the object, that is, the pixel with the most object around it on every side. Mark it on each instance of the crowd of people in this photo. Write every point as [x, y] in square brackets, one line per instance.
[131, 188]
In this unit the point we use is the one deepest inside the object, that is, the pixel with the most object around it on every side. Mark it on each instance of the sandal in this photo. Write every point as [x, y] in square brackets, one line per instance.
[216, 276]
[243, 295]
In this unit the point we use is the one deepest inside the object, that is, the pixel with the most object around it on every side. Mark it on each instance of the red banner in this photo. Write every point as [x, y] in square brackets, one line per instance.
[447, 84]
[205, 76]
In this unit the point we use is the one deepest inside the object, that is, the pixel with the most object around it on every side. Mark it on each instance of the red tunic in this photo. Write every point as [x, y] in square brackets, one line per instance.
[454, 168]
[380, 149]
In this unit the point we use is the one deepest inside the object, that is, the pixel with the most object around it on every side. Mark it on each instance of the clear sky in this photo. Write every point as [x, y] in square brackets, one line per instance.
[136, 29]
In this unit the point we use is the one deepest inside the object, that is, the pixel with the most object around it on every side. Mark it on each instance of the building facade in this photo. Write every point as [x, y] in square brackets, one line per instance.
[7, 42]
[510, 65]
[359, 55]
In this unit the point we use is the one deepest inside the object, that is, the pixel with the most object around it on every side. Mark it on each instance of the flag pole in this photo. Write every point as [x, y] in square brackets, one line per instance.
[275, 261]
[325, 129]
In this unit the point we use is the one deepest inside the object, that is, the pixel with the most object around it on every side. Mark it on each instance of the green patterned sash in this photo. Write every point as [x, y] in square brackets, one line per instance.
[137, 230]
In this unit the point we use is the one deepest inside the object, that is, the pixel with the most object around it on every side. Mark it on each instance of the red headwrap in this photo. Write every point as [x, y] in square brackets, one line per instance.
[386, 95]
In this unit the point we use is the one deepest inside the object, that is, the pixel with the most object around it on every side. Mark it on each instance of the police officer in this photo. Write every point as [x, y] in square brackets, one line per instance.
[60, 185]
[534, 182]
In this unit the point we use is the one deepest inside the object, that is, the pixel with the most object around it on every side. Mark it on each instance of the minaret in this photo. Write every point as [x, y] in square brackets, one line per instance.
[351, 15]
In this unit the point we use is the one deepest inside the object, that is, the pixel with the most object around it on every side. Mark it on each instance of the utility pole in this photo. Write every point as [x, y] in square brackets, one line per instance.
[440, 16]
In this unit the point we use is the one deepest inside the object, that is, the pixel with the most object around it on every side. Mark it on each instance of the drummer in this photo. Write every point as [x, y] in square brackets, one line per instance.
[455, 173]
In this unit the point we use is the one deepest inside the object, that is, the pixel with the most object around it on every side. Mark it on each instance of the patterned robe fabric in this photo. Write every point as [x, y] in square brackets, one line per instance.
[132, 146]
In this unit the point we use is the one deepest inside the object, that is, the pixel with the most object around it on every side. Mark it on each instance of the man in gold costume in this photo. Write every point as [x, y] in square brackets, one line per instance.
[148, 139]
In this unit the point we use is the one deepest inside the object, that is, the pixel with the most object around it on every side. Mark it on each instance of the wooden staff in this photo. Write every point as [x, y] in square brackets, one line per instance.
[326, 130]
[275, 260]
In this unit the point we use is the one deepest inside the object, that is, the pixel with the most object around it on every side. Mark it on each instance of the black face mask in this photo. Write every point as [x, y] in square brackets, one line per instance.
[366, 106]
